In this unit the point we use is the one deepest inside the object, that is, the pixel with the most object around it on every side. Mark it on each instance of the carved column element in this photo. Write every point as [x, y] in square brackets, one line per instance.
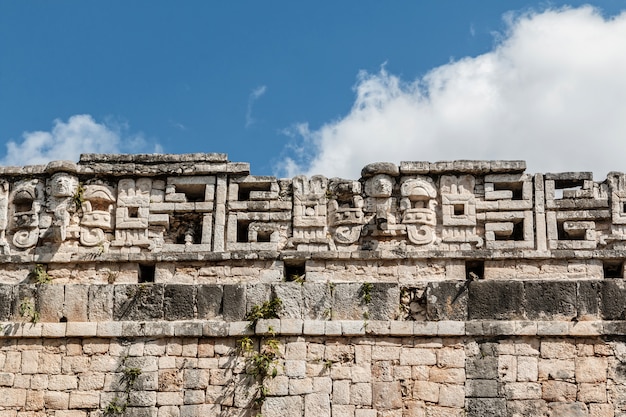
[259, 213]
[617, 193]
[132, 213]
[507, 211]
[458, 207]
[4, 216]
[57, 219]
[577, 210]
[309, 213]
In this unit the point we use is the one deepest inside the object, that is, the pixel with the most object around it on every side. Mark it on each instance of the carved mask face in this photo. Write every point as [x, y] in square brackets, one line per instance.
[63, 185]
[380, 185]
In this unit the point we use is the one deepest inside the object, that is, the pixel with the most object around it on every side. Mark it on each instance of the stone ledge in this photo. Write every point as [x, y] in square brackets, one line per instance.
[332, 328]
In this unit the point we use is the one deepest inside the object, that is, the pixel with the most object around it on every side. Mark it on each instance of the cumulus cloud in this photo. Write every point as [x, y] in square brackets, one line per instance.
[254, 96]
[67, 140]
[552, 91]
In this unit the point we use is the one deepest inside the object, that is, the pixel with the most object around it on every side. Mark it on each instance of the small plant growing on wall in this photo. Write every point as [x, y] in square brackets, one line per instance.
[267, 310]
[128, 382]
[28, 310]
[78, 197]
[366, 292]
[261, 365]
[39, 274]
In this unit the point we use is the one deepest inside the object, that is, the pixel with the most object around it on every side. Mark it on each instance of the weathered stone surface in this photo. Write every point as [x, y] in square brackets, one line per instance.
[234, 302]
[178, 302]
[489, 300]
[209, 301]
[550, 300]
[486, 407]
[446, 301]
[138, 302]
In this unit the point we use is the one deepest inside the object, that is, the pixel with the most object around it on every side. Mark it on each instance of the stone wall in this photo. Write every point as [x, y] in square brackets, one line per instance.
[180, 285]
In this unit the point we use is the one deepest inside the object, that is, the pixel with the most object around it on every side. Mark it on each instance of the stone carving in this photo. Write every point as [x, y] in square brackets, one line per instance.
[345, 211]
[219, 207]
[508, 212]
[132, 212]
[26, 199]
[4, 219]
[418, 207]
[309, 213]
[98, 214]
[458, 207]
[577, 210]
[259, 218]
[57, 222]
[380, 207]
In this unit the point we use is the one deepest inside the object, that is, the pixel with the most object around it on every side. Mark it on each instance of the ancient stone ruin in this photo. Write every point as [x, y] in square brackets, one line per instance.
[180, 285]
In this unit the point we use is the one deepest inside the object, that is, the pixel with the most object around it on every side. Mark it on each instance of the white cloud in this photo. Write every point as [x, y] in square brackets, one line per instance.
[67, 140]
[254, 96]
[552, 92]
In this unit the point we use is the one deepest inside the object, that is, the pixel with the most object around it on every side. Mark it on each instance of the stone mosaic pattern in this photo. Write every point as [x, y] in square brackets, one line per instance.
[448, 289]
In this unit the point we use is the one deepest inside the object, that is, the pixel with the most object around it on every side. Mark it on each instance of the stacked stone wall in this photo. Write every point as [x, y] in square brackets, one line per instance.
[181, 285]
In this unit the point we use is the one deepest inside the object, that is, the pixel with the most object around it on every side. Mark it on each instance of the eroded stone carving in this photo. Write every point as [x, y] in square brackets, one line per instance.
[309, 213]
[26, 199]
[418, 207]
[98, 214]
[345, 211]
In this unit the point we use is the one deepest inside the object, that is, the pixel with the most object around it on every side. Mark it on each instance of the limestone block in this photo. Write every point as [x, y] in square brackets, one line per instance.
[361, 394]
[550, 300]
[291, 295]
[388, 395]
[49, 363]
[317, 300]
[341, 392]
[576, 409]
[54, 400]
[82, 399]
[446, 300]
[50, 303]
[525, 408]
[179, 302]
[601, 410]
[342, 410]
[527, 369]
[34, 400]
[347, 305]
[486, 407]
[200, 410]
[169, 398]
[283, 406]
[6, 297]
[592, 393]
[481, 388]
[76, 302]
[30, 361]
[591, 369]
[138, 302]
[300, 386]
[426, 391]
[100, 303]
[559, 391]
[495, 300]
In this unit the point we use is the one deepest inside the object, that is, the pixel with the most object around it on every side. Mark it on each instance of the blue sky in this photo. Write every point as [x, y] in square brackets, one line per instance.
[295, 86]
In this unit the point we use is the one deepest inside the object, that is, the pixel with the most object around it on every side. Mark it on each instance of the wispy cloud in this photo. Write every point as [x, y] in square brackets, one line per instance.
[254, 96]
[178, 125]
[551, 92]
[67, 140]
